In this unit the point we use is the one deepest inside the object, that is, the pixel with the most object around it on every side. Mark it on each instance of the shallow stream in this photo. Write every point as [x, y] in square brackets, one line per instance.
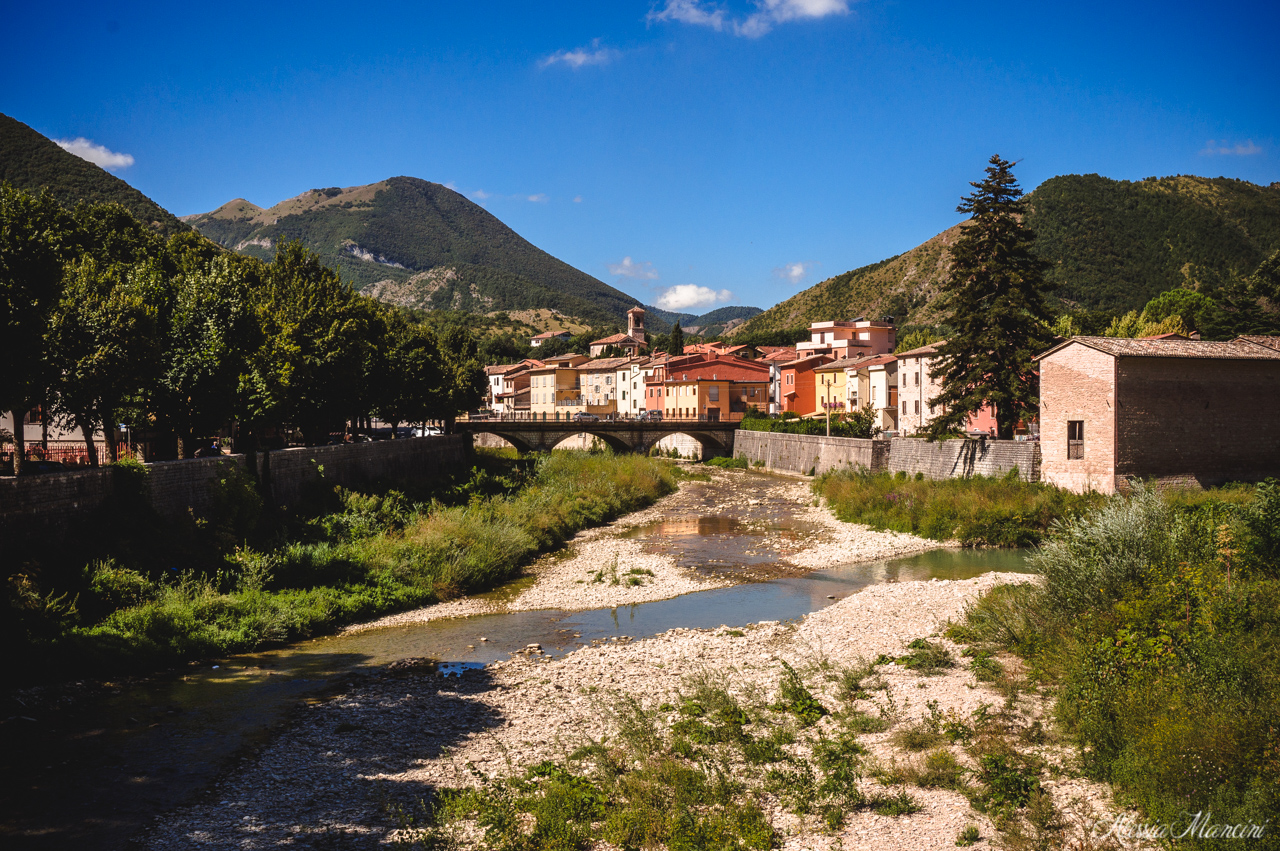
[95, 773]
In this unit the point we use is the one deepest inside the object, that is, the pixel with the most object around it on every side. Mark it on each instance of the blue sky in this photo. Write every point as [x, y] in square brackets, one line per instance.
[691, 153]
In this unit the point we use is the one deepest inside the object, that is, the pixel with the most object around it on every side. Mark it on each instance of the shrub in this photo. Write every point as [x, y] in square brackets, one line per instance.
[984, 511]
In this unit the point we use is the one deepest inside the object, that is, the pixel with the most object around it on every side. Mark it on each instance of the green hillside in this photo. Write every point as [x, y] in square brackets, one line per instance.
[31, 162]
[1113, 245]
[418, 244]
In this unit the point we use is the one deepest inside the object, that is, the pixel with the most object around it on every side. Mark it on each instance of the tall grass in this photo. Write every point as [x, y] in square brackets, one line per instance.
[1158, 622]
[371, 554]
[977, 511]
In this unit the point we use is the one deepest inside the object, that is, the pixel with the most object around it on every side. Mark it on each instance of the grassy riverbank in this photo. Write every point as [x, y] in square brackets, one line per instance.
[239, 583]
[1158, 628]
[977, 511]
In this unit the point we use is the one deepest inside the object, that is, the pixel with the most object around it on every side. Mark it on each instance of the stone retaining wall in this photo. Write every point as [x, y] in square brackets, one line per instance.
[802, 454]
[53, 503]
[955, 459]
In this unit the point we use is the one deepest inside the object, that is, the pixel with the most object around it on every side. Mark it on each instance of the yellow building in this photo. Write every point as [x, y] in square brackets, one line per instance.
[555, 390]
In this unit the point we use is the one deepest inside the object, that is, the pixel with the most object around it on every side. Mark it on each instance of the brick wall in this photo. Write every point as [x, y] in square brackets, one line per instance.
[798, 454]
[51, 504]
[1078, 383]
[1197, 421]
[955, 459]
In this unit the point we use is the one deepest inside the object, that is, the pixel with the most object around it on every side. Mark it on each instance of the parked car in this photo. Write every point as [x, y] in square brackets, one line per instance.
[426, 432]
[584, 417]
[650, 416]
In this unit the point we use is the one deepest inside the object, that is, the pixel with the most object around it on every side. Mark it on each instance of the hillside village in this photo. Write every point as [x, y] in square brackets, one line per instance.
[1110, 408]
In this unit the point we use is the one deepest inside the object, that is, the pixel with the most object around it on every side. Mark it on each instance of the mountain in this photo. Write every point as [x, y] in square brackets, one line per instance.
[708, 324]
[30, 162]
[1112, 245]
[418, 244]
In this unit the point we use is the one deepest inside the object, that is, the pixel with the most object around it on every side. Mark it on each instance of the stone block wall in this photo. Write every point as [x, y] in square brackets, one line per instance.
[52, 504]
[955, 459]
[801, 454]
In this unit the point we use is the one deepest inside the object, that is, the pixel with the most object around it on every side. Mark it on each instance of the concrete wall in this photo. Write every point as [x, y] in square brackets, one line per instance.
[955, 459]
[52, 504]
[799, 454]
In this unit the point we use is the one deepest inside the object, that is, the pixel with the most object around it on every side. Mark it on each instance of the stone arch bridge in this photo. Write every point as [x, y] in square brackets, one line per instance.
[716, 438]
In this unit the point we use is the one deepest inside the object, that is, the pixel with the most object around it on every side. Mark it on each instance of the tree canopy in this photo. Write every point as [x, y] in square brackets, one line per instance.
[994, 302]
[109, 323]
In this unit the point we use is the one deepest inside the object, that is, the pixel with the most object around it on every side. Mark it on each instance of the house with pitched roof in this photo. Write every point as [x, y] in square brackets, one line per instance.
[1174, 411]
[631, 343]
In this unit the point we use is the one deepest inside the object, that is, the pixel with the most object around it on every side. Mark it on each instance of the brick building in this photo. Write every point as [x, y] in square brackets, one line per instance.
[1177, 411]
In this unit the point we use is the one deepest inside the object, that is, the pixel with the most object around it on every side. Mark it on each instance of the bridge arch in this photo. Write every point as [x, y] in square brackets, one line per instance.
[622, 436]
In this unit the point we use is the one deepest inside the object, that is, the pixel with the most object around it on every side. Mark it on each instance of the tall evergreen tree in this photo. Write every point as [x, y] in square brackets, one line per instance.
[676, 340]
[994, 300]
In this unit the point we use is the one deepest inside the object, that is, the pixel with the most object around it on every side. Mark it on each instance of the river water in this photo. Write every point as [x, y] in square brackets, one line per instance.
[96, 773]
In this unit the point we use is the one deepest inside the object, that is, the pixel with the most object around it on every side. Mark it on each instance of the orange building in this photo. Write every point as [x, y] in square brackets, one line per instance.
[799, 386]
[708, 388]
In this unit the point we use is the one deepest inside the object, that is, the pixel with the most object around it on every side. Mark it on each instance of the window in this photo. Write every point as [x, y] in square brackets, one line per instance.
[1075, 438]
[608, 379]
[917, 377]
[917, 406]
[904, 406]
[713, 393]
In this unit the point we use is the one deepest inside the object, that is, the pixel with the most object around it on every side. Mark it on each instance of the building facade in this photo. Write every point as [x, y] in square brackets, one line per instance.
[1174, 411]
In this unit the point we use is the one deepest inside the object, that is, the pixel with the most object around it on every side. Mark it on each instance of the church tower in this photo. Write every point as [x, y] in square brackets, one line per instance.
[635, 323]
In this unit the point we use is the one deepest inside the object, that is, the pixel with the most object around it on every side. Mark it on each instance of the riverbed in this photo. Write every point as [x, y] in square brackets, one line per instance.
[738, 550]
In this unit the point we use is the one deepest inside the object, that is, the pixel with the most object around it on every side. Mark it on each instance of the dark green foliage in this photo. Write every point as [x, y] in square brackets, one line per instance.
[926, 657]
[1158, 626]
[795, 698]
[969, 836]
[739, 463]
[179, 593]
[858, 423]
[994, 302]
[1005, 512]
[1117, 244]
[30, 162]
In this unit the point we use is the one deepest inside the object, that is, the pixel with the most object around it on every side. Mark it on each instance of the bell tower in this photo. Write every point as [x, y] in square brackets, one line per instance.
[635, 323]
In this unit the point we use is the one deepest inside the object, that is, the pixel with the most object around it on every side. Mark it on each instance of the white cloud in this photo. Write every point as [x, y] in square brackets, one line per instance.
[581, 56]
[794, 273]
[630, 269]
[768, 13]
[684, 296]
[1224, 147]
[481, 195]
[99, 155]
[540, 198]
[577, 199]
[689, 12]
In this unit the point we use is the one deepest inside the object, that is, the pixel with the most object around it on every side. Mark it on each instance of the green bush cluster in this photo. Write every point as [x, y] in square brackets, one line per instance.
[1159, 621]
[366, 555]
[977, 511]
[855, 423]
